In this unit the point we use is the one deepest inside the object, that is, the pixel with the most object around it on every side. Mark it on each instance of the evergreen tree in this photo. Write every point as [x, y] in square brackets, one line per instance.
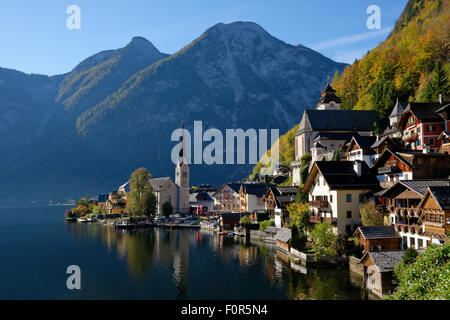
[438, 84]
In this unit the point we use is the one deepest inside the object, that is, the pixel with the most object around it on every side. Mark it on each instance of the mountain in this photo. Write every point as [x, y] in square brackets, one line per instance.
[116, 110]
[403, 66]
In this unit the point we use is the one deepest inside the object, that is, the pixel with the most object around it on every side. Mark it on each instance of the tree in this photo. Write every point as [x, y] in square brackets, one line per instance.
[427, 278]
[438, 84]
[301, 196]
[298, 238]
[142, 199]
[323, 239]
[167, 208]
[370, 215]
[299, 215]
[96, 209]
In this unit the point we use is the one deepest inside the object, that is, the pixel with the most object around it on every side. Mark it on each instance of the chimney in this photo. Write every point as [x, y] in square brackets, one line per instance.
[357, 167]
[440, 98]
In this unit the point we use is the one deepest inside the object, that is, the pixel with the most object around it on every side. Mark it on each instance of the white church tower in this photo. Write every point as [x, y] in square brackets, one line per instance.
[182, 177]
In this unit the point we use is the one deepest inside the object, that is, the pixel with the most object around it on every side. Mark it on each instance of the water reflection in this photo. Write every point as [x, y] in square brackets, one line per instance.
[200, 261]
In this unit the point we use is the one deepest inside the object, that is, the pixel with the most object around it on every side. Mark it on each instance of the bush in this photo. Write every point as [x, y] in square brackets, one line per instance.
[427, 278]
[324, 241]
[265, 224]
[245, 220]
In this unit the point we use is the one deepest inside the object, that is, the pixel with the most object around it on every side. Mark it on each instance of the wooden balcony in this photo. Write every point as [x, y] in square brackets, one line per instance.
[411, 138]
[437, 228]
[391, 167]
[319, 219]
[318, 204]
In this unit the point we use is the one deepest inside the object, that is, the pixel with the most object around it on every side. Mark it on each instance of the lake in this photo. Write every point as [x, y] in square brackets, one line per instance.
[37, 246]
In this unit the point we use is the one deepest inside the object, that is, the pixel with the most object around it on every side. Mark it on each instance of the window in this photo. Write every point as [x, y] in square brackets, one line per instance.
[419, 243]
[348, 198]
[349, 214]
[418, 129]
[431, 140]
[433, 161]
[331, 198]
[430, 128]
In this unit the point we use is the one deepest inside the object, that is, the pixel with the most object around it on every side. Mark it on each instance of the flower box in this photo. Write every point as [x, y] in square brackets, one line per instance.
[412, 230]
[397, 228]
[404, 228]
[417, 213]
[419, 230]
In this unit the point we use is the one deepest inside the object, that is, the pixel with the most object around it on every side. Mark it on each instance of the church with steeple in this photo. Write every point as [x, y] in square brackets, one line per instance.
[165, 189]
[325, 128]
[182, 177]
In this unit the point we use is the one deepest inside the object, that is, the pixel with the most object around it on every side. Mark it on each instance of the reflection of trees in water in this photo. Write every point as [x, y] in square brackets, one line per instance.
[321, 284]
[140, 248]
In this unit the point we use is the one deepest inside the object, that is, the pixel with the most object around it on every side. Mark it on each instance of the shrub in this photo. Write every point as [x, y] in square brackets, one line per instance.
[264, 224]
[324, 241]
[245, 220]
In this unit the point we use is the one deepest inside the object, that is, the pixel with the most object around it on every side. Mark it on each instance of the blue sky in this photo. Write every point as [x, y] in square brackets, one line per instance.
[34, 37]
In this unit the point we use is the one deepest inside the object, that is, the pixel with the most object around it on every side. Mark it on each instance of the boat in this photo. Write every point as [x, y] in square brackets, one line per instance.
[124, 224]
[82, 220]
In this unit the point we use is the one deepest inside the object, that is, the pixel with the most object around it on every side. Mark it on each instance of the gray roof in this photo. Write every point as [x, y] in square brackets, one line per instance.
[385, 261]
[284, 235]
[272, 229]
[398, 109]
[156, 182]
[337, 120]
[442, 196]
[420, 186]
[378, 232]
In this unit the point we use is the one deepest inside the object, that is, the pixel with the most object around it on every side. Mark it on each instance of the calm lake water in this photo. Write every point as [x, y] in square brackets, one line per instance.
[37, 246]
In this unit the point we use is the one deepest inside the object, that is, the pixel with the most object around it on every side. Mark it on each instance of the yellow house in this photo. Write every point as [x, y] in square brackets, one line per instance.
[116, 203]
[336, 191]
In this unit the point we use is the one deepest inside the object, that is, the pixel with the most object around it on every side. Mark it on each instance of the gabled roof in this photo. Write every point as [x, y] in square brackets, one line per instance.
[385, 156]
[341, 175]
[257, 189]
[445, 106]
[337, 120]
[440, 194]
[363, 142]
[384, 261]
[398, 109]
[378, 232]
[424, 111]
[284, 235]
[284, 190]
[235, 186]
[203, 196]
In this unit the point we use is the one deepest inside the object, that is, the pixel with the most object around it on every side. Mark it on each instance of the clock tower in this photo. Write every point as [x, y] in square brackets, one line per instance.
[182, 177]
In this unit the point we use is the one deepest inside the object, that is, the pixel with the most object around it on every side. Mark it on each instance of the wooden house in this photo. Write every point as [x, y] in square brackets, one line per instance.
[402, 202]
[276, 199]
[445, 142]
[378, 270]
[393, 166]
[435, 206]
[378, 238]
[282, 239]
[227, 198]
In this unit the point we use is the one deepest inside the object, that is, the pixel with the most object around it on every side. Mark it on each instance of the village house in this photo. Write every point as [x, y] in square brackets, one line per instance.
[377, 238]
[200, 203]
[336, 190]
[276, 200]
[282, 239]
[402, 201]
[378, 270]
[435, 207]
[252, 197]
[421, 124]
[360, 148]
[393, 166]
[328, 118]
[326, 145]
[116, 203]
[227, 198]
[445, 142]
[228, 221]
